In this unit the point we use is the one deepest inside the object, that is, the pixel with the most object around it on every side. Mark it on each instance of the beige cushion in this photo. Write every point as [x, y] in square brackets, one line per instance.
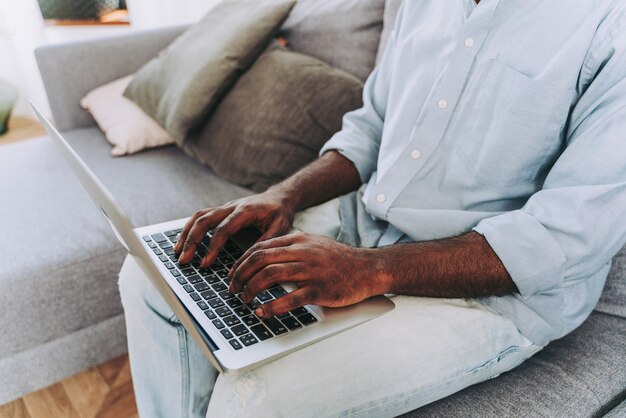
[124, 124]
[186, 81]
[276, 118]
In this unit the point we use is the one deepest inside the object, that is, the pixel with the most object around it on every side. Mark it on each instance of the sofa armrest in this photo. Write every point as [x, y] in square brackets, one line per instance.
[70, 71]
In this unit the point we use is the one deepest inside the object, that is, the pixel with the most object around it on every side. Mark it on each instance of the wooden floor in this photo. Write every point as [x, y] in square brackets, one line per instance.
[104, 391]
[21, 128]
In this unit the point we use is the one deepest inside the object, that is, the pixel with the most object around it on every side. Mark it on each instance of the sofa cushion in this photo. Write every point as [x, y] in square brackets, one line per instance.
[580, 375]
[276, 118]
[73, 258]
[181, 86]
[124, 124]
[343, 33]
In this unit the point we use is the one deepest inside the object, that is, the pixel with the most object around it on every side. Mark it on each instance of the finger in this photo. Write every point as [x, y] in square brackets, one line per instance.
[199, 229]
[232, 224]
[183, 235]
[271, 275]
[278, 242]
[299, 297]
[258, 261]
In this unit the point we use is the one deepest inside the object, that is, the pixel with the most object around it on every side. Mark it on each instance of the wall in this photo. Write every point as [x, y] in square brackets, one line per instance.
[22, 30]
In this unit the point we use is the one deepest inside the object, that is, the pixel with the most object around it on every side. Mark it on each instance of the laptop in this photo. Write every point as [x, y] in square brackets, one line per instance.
[232, 337]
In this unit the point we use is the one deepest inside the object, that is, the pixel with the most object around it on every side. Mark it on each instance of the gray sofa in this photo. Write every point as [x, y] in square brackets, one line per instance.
[58, 277]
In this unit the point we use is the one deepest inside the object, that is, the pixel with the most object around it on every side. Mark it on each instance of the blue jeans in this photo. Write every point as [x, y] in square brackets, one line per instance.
[423, 350]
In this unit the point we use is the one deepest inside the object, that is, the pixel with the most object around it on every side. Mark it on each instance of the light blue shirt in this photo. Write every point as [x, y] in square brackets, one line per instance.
[507, 118]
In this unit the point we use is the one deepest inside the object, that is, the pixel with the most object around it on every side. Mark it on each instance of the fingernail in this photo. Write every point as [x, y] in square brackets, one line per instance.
[259, 312]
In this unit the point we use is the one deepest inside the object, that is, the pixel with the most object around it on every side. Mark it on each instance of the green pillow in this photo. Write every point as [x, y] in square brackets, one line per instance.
[185, 82]
[275, 119]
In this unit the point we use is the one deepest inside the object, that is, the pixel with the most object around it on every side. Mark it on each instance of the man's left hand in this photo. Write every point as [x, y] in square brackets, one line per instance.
[326, 272]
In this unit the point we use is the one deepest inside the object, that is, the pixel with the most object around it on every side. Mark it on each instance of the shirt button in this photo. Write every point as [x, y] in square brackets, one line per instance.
[381, 198]
[469, 42]
[442, 104]
[415, 154]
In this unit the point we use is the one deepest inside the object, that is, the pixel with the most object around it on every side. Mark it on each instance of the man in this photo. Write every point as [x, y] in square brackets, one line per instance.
[484, 179]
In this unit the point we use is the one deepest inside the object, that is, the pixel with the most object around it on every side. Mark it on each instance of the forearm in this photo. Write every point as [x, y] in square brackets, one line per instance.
[329, 176]
[459, 267]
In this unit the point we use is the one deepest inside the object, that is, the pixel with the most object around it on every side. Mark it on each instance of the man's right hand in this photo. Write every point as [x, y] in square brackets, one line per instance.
[270, 212]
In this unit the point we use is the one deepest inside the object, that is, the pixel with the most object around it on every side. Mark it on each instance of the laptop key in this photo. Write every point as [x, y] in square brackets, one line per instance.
[235, 344]
[175, 272]
[278, 292]
[227, 334]
[275, 325]
[159, 238]
[307, 319]
[218, 287]
[216, 303]
[234, 302]
[241, 311]
[169, 265]
[201, 287]
[231, 320]
[188, 288]
[248, 339]
[250, 320]
[283, 315]
[157, 251]
[212, 279]
[152, 245]
[164, 258]
[261, 332]
[299, 311]
[195, 296]
[222, 311]
[239, 330]
[209, 294]
[181, 280]
[193, 279]
[188, 272]
[169, 251]
[218, 324]
[291, 323]
[264, 296]
[226, 295]
[202, 305]
[146, 238]
[171, 233]
[210, 314]
[165, 245]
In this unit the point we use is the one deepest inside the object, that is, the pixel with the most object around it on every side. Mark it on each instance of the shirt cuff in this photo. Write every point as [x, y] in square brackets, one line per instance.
[363, 158]
[530, 254]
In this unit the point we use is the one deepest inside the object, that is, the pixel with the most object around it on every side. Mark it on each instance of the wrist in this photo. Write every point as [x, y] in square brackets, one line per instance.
[380, 279]
[283, 197]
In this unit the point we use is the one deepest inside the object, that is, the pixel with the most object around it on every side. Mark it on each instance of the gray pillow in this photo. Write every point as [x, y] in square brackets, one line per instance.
[275, 119]
[185, 82]
[613, 299]
[343, 33]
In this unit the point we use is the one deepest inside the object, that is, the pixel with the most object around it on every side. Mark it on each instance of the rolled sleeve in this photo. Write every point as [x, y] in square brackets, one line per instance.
[531, 255]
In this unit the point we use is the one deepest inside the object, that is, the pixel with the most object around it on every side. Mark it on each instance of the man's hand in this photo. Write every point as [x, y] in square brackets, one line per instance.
[270, 212]
[327, 273]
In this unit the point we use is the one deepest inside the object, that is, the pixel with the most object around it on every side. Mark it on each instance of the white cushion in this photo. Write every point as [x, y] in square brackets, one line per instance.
[124, 124]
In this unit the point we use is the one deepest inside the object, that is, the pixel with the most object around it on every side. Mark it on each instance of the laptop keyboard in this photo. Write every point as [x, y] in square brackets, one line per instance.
[208, 288]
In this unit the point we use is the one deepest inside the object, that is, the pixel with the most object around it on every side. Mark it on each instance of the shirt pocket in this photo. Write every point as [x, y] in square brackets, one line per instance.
[508, 127]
